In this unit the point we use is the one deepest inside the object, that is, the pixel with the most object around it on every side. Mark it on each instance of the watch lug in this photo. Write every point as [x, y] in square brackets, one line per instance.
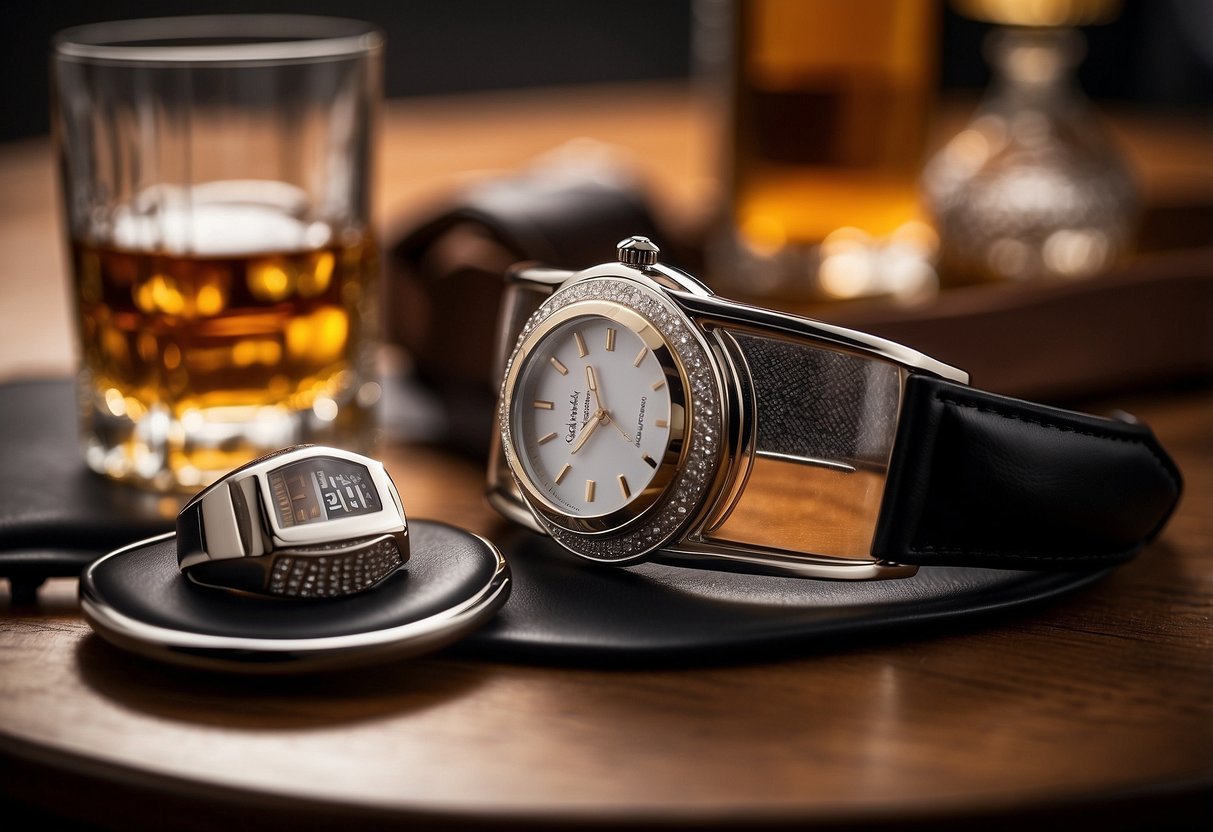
[752, 560]
[677, 280]
[714, 310]
[667, 279]
[508, 504]
[537, 275]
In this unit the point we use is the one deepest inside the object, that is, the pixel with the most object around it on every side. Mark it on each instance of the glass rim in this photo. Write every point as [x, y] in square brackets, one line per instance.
[221, 40]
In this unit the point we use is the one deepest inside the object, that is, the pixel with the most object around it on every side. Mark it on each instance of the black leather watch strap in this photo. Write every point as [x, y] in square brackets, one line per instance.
[978, 479]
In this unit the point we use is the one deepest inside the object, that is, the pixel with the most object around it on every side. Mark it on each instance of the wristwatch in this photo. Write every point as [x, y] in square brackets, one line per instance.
[643, 417]
[304, 522]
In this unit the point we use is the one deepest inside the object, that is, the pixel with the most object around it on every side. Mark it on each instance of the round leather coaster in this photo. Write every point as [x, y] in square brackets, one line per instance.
[137, 599]
[564, 610]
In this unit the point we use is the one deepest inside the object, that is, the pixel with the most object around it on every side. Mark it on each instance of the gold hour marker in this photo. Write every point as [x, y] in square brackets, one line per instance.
[560, 368]
[610, 344]
[589, 491]
[590, 378]
[663, 423]
[623, 486]
[540, 404]
[582, 350]
[657, 385]
[649, 461]
[640, 356]
[545, 439]
[562, 473]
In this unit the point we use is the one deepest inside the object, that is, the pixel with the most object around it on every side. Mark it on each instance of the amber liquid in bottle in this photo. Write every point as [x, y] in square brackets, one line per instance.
[828, 109]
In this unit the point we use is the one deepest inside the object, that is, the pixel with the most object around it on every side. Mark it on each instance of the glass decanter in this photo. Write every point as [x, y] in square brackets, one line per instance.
[1034, 185]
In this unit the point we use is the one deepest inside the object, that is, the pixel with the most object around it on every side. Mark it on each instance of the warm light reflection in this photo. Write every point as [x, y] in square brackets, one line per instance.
[1040, 12]
[269, 281]
[1008, 257]
[855, 264]
[115, 402]
[325, 409]
[314, 281]
[209, 300]
[1076, 252]
[765, 234]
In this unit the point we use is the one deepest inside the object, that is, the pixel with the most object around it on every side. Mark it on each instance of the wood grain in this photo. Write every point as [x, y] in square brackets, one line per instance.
[1105, 692]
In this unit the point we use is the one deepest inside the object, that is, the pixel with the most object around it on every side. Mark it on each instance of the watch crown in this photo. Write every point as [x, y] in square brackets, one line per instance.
[637, 251]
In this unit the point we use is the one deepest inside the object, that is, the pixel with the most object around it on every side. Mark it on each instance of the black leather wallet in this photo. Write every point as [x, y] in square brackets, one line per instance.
[56, 515]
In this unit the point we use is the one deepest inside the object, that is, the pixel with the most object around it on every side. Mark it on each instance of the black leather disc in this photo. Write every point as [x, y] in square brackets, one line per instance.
[138, 599]
[564, 610]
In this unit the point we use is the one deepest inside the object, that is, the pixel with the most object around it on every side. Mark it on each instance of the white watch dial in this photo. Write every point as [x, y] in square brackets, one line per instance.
[591, 416]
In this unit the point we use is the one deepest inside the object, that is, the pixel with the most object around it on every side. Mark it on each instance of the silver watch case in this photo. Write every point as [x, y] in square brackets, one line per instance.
[720, 459]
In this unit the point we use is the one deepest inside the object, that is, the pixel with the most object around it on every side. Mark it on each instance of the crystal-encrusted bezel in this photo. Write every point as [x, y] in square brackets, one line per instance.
[679, 504]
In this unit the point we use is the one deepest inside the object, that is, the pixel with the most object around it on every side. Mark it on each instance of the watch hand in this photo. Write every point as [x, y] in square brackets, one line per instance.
[626, 438]
[591, 379]
[590, 427]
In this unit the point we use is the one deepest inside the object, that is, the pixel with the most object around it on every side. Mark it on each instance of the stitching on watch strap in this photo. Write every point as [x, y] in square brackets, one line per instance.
[993, 409]
[928, 549]
[1007, 414]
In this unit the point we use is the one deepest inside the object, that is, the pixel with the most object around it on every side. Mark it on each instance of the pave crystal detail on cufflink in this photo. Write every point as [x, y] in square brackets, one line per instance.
[305, 573]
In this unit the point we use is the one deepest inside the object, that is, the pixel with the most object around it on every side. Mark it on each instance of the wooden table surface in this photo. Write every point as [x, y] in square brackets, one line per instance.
[1099, 704]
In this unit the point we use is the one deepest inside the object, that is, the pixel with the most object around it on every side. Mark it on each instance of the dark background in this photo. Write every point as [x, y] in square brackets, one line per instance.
[1158, 53]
